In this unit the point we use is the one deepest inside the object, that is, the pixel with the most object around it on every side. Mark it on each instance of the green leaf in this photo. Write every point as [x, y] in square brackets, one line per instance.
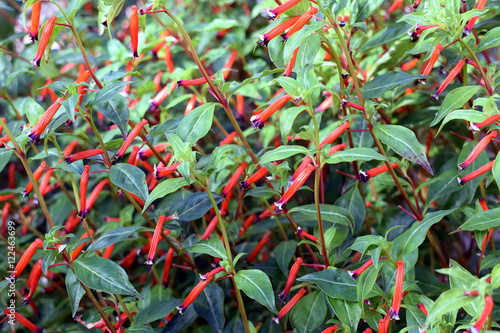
[293, 42]
[70, 104]
[385, 82]
[210, 306]
[75, 291]
[404, 142]
[283, 152]
[448, 301]
[33, 110]
[495, 277]
[307, 52]
[469, 115]
[355, 154]
[197, 123]
[256, 285]
[349, 313]
[388, 34]
[335, 282]
[309, 312]
[112, 237]
[262, 192]
[213, 247]
[130, 178]
[329, 213]
[167, 186]
[354, 203]
[103, 274]
[110, 91]
[366, 8]
[287, 118]
[491, 39]
[413, 237]
[194, 206]
[495, 170]
[483, 220]
[237, 86]
[5, 155]
[116, 110]
[291, 86]
[283, 253]
[454, 100]
[156, 311]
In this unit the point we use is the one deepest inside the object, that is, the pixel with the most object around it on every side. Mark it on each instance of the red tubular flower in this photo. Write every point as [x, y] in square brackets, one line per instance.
[273, 13]
[337, 148]
[157, 80]
[259, 119]
[482, 170]
[330, 329]
[213, 273]
[291, 63]
[234, 179]
[5, 216]
[255, 177]
[229, 64]
[84, 76]
[35, 21]
[489, 120]
[383, 324]
[477, 150]
[191, 104]
[415, 5]
[132, 158]
[108, 251]
[168, 263]
[422, 308]
[76, 252]
[354, 274]
[145, 9]
[133, 133]
[301, 231]
[81, 155]
[364, 176]
[156, 238]
[35, 274]
[246, 224]
[23, 320]
[84, 180]
[71, 222]
[160, 44]
[395, 5]
[35, 133]
[26, 257]
[146, 153]
[210, 228]
[409, 65]
[488, 307]
[335, 134]
[194, 82]
[70, 147]
[94, 194]
[45, 183]
[368, 330]
[268, 211]
[301, 22]
[134, 31]
[168, 58]
[352, 105]
[284, 310]
[229, 139]
[297, 183]
[263, 241]
[225, 204]
[454, 72]
[37, 175]
[307, 160]
[325, 104]
[470, 24]
[264, 39]
[398, 291]
[240, 104]
[291, 278]
[193, 294]
[129, 259]
[426, 70]
[421, 28]
[44, 40]
[160, 172]
[4, 140]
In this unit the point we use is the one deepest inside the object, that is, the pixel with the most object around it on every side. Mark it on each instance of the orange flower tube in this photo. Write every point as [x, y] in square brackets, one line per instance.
[234, 178]
[35, 21]
[37, 175]
[44, 40]
[482, 170]
[259, 119]
[26, 257]
[291, 278]
[264, 39]
[130, 138]
[453, 73]
[488, 121]
[193, 294]
[301, 22]
[37, 130]
[84, 180]
[36, 273]
[364, 176]
[426, 70]
[273, 13]
[168, 263]
[82, 155]
[398, 291]
[335, 134]
[477, 150]
[301, 179]
[284, 310]
[134, 31]
[255, 177]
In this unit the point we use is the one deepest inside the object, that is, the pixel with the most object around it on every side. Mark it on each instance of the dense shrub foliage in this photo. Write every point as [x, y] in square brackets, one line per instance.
[234, 166]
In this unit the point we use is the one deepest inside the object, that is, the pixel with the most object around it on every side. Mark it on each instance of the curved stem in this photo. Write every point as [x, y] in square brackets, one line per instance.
[101, 142]
[483, 74]
[26, 166]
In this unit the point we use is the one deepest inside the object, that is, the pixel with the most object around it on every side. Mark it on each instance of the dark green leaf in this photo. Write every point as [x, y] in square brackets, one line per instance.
[491, 39]
[385, 82]
[329, 213]
[336, 283]
[165, 187]
[130, 178]
[483, 220]
[454, 100]
[213, 247]
[355, 154]
[256, 285]
[210, 306]
[197, 123]
[283, 253]
[309, 312]
[5, 155]
[112, 237]
[75, 291]
[115, 110]
[283, 152]
[156, 311]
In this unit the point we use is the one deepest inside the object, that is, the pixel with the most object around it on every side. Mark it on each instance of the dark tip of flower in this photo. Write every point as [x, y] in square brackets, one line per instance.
[342, 23]
[203, 277]
[120, 193]
[118, 158]
[394, 315]
[465, 33]
[279, 205]
[40, 330]
[256, 123]
[105, 23]
[282, 296]
[25, 301]
[68, 160]
[271, 15]
[422, 81]
[34, 37]
[149, 264]
[345, 75]
[353, 274]
[25, 194]
[462, 166]
[81, 214]
[363, 177]
[473, 127]
[243, 184]
[153, 107]
[263, 40]
[135, 54]
[299, 230]
[460, 181]
[181, 309]
[68, 123]
[434, 97]
[284, 37]
[276, 320]
[179, 83]
[366, 301]
[36, 62]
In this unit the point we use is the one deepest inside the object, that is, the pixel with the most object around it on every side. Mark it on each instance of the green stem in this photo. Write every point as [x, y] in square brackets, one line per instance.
[324, 252]
[20, 154]
[483, 74]
[99, 138]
